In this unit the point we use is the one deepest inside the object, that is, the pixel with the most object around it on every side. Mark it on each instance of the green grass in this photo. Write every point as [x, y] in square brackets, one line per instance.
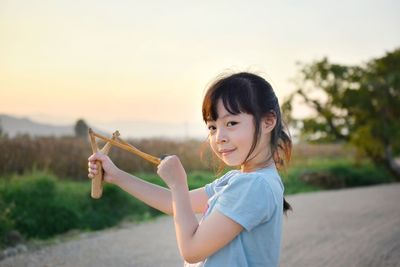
[346, 173]
[39, 205]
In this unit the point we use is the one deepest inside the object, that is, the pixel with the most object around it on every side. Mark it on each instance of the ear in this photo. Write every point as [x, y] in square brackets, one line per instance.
[268, 122]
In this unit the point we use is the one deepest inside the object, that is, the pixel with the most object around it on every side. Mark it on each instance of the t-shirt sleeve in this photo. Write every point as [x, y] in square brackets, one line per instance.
[210, 188]
[248, 200]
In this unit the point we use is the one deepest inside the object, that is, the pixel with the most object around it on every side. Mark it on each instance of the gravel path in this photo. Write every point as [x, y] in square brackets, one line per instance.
[351, 227]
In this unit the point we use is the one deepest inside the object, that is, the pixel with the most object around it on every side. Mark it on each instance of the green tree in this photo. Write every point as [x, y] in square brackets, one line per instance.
[356, 104]
[81, 129]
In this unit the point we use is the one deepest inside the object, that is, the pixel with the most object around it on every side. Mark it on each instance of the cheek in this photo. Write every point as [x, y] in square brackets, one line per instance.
[245, 138]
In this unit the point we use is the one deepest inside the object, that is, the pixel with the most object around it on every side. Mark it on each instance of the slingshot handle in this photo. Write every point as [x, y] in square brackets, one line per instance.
[97, 181]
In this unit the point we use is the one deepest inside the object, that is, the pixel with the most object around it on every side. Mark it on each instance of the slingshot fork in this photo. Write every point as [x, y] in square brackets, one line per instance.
[97, 181]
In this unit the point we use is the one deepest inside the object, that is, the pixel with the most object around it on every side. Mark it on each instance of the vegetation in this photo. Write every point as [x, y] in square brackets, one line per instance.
[353, 104]
[38, 204]
[67, 157]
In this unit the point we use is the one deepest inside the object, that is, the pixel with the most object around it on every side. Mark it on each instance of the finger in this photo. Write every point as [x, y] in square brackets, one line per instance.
[95, 156]
[90, 176]
[164, 156]
[93, 166]
[92, 171]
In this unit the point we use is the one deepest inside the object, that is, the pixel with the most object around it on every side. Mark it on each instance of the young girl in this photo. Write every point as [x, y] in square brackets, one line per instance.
[243, 209]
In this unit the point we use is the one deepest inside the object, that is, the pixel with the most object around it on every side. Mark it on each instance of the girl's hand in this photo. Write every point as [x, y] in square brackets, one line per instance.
[110, 174]
[172, 172]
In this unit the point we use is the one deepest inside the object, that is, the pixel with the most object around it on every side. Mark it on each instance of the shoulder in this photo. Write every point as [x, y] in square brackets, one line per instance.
[251, 178]
[266, 182]
[247, 185]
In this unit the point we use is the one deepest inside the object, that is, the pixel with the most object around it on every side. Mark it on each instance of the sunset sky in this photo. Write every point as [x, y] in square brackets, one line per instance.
[117, 62]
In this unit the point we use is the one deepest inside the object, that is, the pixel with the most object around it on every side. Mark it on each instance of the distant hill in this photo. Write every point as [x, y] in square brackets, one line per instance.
[14, 126]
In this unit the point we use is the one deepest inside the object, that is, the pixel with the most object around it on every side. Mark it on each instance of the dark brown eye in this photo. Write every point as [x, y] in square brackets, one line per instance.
[231, 123]
[211, 128]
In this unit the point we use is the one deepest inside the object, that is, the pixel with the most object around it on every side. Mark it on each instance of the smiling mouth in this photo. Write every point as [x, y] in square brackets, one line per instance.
[225, 152]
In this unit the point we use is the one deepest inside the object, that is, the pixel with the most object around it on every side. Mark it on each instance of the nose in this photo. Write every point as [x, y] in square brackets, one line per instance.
[221, 136]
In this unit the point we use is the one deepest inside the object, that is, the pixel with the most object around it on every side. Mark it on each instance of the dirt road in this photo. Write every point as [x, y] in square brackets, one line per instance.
[352, 227]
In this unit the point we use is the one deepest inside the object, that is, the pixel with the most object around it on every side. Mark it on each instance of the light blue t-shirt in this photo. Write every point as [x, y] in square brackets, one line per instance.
[255, 201]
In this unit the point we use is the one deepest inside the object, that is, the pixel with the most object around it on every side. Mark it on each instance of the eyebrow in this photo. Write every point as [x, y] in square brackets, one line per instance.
[223, 117]
[227, 115]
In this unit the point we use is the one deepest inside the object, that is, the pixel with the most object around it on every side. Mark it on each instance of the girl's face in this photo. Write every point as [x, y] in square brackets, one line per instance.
[231, 137]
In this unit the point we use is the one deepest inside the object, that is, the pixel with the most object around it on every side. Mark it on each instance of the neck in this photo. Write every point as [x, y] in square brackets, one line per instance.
[261, 156]
[249, 167]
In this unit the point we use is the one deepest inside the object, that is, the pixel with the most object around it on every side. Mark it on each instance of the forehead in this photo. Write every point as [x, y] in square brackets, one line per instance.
[221, 110]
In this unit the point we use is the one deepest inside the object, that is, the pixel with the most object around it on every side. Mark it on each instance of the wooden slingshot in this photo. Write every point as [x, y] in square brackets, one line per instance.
[115, 140]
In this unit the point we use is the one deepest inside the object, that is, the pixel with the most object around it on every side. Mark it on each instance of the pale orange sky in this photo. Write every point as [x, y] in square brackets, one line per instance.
[108, 61]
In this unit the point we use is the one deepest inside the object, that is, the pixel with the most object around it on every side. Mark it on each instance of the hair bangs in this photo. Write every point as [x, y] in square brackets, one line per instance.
[232, 98]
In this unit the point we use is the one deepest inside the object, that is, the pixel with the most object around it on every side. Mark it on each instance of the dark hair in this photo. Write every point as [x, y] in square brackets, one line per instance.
[249, 93]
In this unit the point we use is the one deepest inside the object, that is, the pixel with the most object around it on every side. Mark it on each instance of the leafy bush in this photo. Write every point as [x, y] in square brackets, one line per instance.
[342, 174]
[361, 174]
[40, 206]
[114, 205]
[34, 208]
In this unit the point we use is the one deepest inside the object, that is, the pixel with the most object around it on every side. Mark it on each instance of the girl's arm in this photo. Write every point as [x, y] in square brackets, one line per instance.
[196, 242]
[153, 195]
[157, 196]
